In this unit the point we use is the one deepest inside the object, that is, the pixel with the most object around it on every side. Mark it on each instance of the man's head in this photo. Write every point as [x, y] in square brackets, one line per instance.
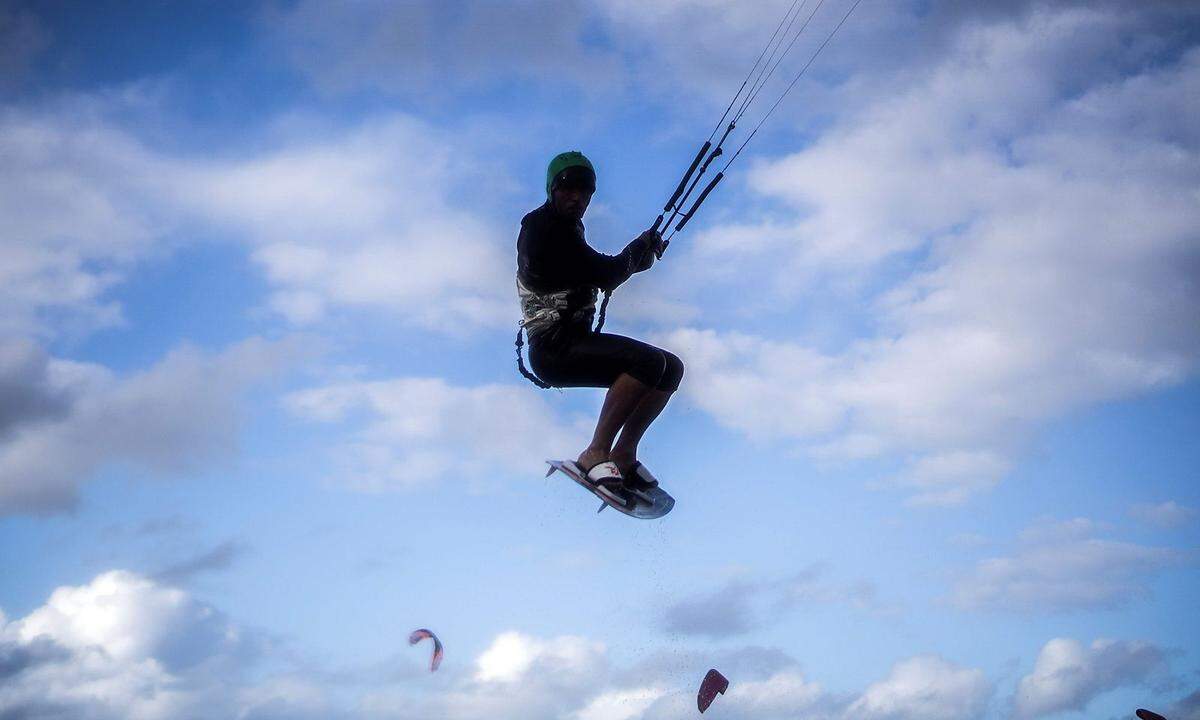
[570, 182]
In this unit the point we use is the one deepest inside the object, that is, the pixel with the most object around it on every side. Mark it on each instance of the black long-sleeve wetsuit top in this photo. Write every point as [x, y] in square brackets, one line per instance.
[557, 266]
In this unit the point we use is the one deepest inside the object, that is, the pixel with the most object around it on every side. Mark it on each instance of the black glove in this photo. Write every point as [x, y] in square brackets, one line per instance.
[645, 252]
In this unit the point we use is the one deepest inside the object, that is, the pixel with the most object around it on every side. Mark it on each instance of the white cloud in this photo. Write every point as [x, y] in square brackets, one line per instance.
[520, 675]
[950, 478]
[122, 647]
[766, 389]
[1169, 514]
[601, 47]
[1068, 674]
[773, 390]
[131, 618]
[742, 604]
[411, 431]
[1006, 322]
[925, 687]
[523, 676]
[785, 694]
[217, 558]
[620, 704]
[1021, 231]
[412, 48]
[1061, 568]
[781, 695]
[286, 698]
[125, 646]
[364, 218]
[728, 610]
[74, 196]
[30, 389]
[78, 418]
[513, 657]
[669, 33]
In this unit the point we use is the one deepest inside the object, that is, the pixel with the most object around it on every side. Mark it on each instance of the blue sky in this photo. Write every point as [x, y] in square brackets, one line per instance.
[934, 453]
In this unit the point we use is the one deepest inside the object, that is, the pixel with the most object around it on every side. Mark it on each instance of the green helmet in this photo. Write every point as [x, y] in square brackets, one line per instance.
[564, 161]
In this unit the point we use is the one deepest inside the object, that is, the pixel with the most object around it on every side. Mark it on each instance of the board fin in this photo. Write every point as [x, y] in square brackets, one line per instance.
[602, 506]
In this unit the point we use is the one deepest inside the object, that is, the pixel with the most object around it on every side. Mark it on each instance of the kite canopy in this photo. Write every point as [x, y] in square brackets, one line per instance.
[422, 634]
[714, 682]
[1147, 715]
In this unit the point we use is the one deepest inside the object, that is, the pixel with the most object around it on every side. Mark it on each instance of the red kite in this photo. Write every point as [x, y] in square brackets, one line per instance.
[421, 634]
[714, 682]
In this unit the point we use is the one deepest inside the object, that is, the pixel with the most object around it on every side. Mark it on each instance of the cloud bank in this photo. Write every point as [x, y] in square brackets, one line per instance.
[1062, 567]
[70, 420]
[127, 646]
[406, 432]
[742, 605]
[366, 217]
[1019, 232]
[1068, 674]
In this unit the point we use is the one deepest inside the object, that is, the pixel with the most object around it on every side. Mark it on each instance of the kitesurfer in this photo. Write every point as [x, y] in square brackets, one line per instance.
[558, 279]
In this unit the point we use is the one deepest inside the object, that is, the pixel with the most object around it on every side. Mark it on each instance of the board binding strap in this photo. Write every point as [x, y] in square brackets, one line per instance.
[648, 504]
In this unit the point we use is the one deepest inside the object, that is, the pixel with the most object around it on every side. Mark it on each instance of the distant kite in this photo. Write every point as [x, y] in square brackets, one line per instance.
[714, 682]
[421, 634]
[1147, 715]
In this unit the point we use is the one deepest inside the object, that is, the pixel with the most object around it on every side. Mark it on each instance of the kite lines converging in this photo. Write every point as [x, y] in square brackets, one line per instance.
[764, 70]
[777, 48]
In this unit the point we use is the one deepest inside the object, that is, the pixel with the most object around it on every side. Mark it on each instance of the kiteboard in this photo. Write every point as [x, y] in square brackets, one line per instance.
[644, 504]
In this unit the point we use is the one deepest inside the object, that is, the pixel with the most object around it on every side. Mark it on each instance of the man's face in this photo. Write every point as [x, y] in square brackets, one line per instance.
[571, 201]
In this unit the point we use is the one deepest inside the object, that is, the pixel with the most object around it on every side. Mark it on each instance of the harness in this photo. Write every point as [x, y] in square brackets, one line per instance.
[541, 312]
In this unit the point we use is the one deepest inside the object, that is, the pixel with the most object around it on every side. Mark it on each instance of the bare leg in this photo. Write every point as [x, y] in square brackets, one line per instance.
[623, 398]
[624, 453]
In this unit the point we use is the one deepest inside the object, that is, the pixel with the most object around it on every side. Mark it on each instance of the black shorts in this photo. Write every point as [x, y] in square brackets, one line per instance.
[590, 359]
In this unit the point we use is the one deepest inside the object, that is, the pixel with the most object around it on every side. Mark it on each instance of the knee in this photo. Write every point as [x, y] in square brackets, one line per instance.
[672, 372]
[654, 366]
[646, 365]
